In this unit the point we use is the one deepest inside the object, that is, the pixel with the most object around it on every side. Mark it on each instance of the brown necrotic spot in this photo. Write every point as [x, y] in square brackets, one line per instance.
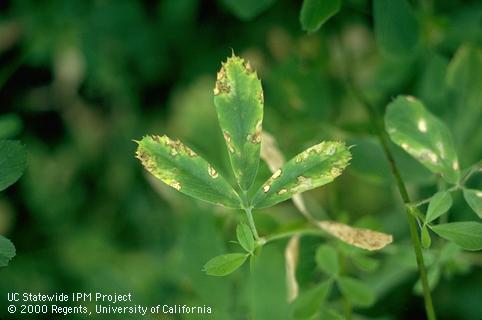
[212, 172]
[282, 191]
[229, 142]
[222, 82]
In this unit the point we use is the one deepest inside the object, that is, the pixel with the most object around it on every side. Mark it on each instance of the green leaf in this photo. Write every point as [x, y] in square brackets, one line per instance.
[7, 251]
[474, 200]
[310, 301]
[396, 28]
[238, 98]
[440, 203]
[327, 260]
[181, 168]
[314, 167]
[13, 160]
[356, 291]
[425, 235]
[467, 234]
[245, 237]
[224, 264]
[316, 12]
[423, 136]
[247, 9]
[365, 263]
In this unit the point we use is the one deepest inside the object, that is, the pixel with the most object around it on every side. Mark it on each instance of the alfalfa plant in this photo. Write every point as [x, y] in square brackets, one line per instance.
[239, 102]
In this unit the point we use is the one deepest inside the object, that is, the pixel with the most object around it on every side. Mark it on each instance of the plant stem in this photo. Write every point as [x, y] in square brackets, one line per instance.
[289, 234]
[251, 223]
[411, 211]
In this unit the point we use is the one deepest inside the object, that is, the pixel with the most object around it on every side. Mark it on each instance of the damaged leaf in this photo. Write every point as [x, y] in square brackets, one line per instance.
[238, 97]
[423, 136]
[314, 167]
[358, 237]
[184, 170]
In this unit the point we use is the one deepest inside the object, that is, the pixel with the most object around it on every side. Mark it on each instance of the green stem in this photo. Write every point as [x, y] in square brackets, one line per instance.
[289, 234]
[251, 223]
[411, 211]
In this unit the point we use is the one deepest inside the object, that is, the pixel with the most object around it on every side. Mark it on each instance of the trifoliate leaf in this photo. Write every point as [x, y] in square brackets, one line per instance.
[466, 234]
[440, 203]
[423, 136]
[224, 264]
[474, 200]
[314, 167]
[245, 237]
[183, 169]
[238, 97]
[316, 12]
[13, 160]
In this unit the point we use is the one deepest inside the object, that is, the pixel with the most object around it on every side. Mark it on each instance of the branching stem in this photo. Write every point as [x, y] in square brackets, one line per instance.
[411, 211]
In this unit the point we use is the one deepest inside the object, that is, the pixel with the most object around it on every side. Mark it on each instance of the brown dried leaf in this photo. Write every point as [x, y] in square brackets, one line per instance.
[358, 237]
[291, 262]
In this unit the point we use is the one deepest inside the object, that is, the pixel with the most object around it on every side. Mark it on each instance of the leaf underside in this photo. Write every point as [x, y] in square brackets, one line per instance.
[183, 169]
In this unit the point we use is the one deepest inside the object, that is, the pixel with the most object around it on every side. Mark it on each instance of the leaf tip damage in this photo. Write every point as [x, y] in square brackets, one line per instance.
[224, 77]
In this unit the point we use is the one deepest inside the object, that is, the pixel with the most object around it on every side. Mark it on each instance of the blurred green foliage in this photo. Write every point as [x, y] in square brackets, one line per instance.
[84, 78]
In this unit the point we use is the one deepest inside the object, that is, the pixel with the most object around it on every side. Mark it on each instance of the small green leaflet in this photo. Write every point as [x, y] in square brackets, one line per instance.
[425, 235]
[316, 12]
[310, 301]
[423, 136]
[467, 234]
[238, 97]
[247, 9]
[356, 291]
[245, 237]
[314, 167]
[327, 260]
[474, 200]
[183, 169]
[440, 203]
[224, 264]
[396, 28]
[13, 160]
[7, 251]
